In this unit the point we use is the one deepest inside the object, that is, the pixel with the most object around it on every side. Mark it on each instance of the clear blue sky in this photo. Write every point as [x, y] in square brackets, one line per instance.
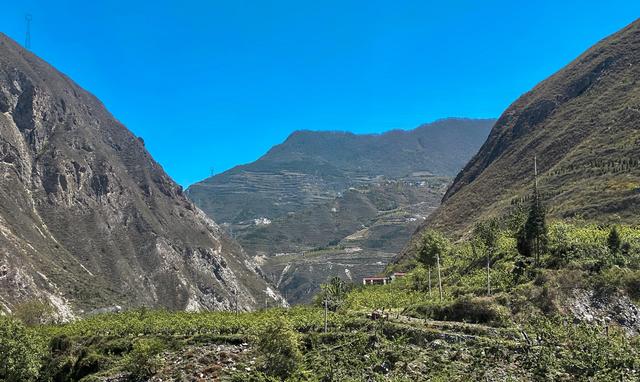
[211, 84]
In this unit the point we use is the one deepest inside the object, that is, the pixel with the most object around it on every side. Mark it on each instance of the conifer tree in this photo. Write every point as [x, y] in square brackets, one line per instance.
[532, 237]
[614, 242]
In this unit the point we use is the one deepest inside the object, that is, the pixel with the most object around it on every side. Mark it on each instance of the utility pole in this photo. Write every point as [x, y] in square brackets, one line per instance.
[536, 195]
[326, 308]
[27, 40]
[235, 299]
[429, 281]
[488, 273]
[439, 278]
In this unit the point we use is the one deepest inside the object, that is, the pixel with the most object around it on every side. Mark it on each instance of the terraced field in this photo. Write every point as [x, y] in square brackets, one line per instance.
[359, 231]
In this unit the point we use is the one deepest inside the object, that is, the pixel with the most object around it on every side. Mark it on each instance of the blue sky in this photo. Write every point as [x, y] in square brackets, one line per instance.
[211, 84]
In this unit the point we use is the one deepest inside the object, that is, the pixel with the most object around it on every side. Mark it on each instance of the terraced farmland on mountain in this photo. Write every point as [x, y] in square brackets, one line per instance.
[339, 192]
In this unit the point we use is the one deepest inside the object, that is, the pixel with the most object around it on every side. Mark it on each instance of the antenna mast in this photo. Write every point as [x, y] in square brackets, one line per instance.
[27, 40]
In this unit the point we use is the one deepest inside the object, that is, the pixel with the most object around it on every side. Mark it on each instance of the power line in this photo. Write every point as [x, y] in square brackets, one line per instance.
[27, 40]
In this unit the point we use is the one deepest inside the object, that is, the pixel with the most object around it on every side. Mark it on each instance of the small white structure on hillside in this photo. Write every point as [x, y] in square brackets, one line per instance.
[382, 280]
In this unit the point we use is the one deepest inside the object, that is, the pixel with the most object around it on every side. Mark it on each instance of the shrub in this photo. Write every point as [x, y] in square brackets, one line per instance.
[279, 347]
[34, 312]
[616, 278]
[144, 358]
[468, 309]
[390, 296]
[88, 363]
[419, 279]
[20, 352]
[563, 351]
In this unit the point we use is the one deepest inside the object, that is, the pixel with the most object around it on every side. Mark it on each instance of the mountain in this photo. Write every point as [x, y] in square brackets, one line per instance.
[311, 167]
[89, 220]
[325, 204]
[582, 124]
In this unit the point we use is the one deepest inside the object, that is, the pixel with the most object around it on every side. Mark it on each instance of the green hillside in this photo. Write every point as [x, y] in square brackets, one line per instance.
[582, 124]
[572, 317]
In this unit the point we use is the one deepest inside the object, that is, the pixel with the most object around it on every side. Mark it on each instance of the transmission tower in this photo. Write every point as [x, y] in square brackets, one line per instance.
[27, 40]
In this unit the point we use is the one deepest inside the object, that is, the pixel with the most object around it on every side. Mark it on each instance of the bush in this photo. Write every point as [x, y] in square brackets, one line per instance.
[89, 362]
[20, 352]
[34, 312]
[279, 347]
[591, 247]
[144, 359]
[563, 351]
[482, 310]
[616, 278]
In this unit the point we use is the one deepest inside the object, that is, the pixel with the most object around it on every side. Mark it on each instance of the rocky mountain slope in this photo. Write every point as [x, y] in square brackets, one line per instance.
[583, 124]
[351, 237]
[327, 204]
[88, 219]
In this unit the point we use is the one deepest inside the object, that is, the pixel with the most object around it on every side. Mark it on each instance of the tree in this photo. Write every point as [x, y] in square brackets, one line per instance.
[419, 278]
[532, 236]
[614, 242]
[333, 292]
[432, 246]
[486, 237]
[336, 288]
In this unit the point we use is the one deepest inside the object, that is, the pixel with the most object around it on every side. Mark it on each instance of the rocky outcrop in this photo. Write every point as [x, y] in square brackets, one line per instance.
[605, 309]
[88, 219]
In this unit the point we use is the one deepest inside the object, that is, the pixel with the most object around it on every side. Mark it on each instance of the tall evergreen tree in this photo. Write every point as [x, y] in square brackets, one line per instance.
[614, 242]
[532, 237]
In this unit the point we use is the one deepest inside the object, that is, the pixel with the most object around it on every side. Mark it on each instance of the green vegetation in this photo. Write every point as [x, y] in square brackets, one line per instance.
[20, 351]
[532, 236]
[144, 358]
[522, 301]
[432, 246]
[279, 347]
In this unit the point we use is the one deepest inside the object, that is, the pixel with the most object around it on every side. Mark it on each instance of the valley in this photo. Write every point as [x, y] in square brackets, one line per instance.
[505, 250]
[354, 235]
[337, 204]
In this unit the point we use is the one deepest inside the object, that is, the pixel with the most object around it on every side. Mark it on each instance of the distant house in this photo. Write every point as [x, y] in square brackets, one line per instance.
[381, 280]
[375, 280]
